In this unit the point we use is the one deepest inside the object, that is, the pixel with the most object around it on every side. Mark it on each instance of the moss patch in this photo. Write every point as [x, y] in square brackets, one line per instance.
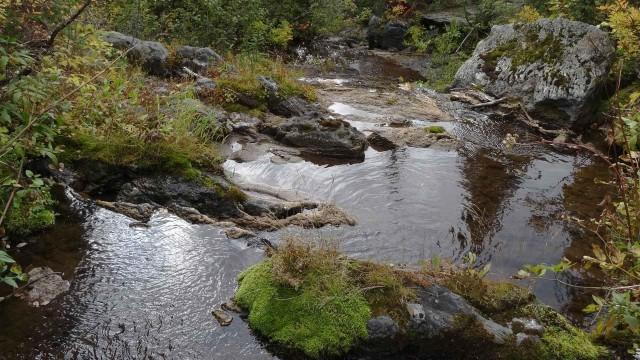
[325, 316]
[548, 50]
[435, 129]
[30, 213]
[561, 340]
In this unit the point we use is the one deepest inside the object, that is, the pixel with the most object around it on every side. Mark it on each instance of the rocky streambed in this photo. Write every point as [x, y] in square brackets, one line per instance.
[419, 176]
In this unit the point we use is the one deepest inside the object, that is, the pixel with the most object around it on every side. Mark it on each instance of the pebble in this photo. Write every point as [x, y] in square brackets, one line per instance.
[223, 318]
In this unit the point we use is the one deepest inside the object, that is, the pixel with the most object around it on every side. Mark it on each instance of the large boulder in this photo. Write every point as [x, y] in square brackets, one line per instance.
[386, 36]
[318, 135]
[556, 67]
[152, 56]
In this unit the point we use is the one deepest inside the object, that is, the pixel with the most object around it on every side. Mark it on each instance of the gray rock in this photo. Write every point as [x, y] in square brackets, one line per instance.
[282, 106]
[204, 86]
[382, 327]
[555, 67]
[319, 136]
[442, 307]
[44, 286]
[197, 59]
[152, 56]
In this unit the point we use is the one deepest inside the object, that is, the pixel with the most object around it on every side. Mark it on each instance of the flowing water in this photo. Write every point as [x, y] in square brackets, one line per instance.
[147, 292]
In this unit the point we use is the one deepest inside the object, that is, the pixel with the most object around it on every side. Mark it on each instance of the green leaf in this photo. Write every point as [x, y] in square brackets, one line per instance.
[10, 281]
[5, 258]
[29, 173]
[591, 308]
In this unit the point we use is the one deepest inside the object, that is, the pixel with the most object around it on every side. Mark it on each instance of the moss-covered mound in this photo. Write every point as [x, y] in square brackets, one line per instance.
[314, 300]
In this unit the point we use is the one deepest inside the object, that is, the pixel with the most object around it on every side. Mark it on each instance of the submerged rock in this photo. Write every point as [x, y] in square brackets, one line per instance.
[151, 55]
[319, 136]
[556, 67]
[44, 286]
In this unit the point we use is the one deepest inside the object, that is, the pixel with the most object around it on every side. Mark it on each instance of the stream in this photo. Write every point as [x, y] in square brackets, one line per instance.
[147, 293]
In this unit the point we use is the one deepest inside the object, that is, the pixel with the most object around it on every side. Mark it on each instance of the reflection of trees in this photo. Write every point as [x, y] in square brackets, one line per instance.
[490, 182]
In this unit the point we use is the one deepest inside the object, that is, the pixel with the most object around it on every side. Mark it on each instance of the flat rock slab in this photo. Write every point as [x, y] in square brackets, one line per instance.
[44, 286]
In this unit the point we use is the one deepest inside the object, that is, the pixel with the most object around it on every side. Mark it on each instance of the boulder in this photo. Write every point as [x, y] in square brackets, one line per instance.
[152, 56]
[386, 36]
[555, 67]
[281, 105]
[196, 58]
[317, 135]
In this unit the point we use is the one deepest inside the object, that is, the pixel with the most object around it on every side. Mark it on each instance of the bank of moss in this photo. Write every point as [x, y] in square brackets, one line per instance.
[325, 316]
[314, 300]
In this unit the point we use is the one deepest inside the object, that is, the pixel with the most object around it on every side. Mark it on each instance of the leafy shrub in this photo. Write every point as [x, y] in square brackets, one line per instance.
[527, 15]
[10, 271]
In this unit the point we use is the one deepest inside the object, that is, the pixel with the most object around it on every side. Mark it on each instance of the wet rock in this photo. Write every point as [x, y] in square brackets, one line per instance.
[441, 307]
[386, 36]
[238, 233]
[170, 191]
[230, 305]
[322, 215]
[417, 137]
[319, 136]
[527, 326]
[141, 212]
[223, 318]
[282, 106]
[380, 143]
[44, 286]
[555, 67]
[196, 58]
[151, 55]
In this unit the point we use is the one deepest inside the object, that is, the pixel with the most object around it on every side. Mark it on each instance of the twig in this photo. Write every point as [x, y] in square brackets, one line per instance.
[60, 27]
[465, 40]
[534, 124]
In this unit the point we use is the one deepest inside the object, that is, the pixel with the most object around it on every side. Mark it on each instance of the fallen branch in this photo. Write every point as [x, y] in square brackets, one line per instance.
[489, 103]
[534, 124]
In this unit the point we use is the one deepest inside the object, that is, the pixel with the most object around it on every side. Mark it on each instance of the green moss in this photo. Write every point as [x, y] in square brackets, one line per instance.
[435, 129]
[30, 213]
[548, 50]
[561, 340]
[493, 298]
[442, 71]
[235, 194]
[325, 316]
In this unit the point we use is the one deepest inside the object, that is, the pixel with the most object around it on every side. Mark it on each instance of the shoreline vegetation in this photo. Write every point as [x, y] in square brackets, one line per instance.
[69, 98]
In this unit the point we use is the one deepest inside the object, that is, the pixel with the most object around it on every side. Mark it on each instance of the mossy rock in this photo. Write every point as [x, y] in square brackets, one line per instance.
[316, 322]
[561, 340]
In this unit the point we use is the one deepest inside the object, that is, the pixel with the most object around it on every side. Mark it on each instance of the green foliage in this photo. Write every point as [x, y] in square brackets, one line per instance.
[10, 272]
[324, 316]
[227, 24]
[435, 129]
[30, 209]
